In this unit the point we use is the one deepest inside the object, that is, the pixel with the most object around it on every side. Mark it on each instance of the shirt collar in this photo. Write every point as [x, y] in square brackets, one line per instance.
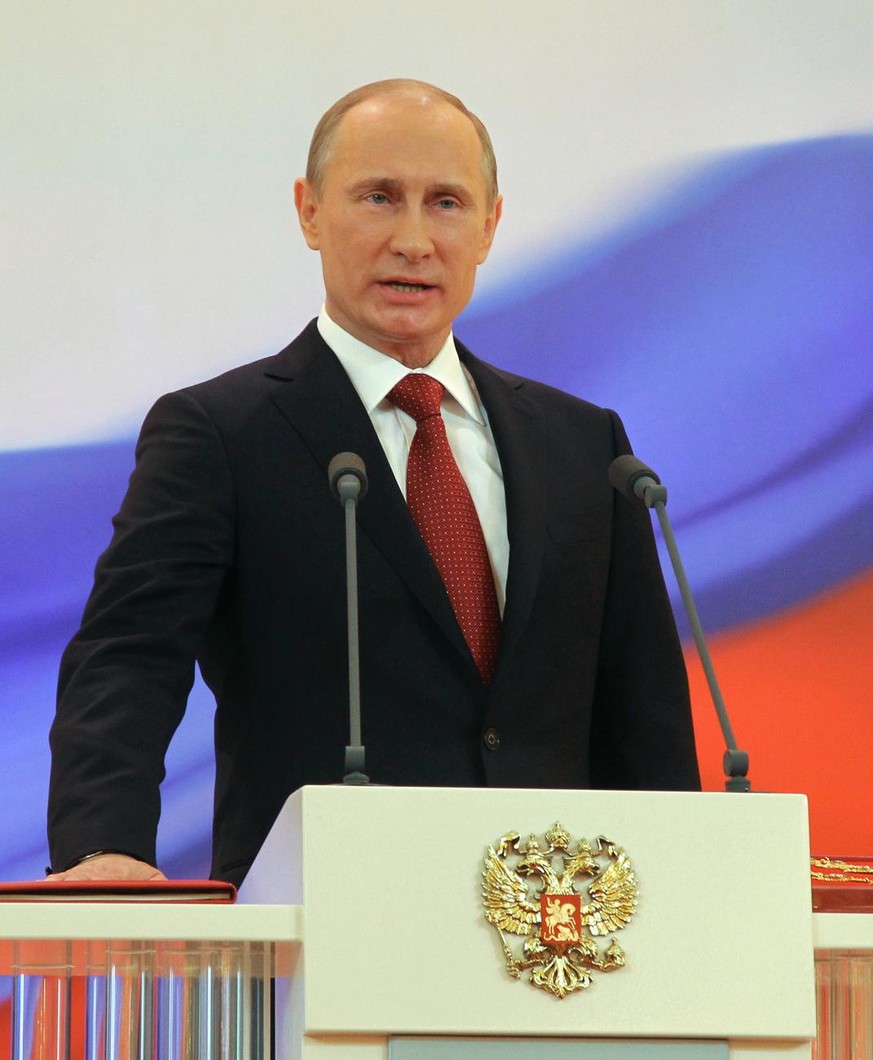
[374, 374]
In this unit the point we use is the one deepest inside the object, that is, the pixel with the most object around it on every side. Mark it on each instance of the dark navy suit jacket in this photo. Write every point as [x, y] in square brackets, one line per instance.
[228, 549]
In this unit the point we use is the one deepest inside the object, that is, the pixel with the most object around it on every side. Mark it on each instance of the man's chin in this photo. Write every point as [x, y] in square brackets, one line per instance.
[408, 341]
[413, 354]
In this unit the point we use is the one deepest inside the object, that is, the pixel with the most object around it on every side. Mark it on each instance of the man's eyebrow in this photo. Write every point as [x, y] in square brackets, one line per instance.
[382, 183]
[459, 191]
[395, 187]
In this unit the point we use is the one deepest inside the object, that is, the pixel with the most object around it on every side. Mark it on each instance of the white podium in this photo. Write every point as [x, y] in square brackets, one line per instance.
[365, 907]
[395, 946]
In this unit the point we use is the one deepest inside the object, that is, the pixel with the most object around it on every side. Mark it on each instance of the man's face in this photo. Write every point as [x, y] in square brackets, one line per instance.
[401, 222]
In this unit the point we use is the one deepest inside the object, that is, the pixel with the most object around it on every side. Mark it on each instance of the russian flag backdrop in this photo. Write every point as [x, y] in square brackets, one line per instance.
[687, 237]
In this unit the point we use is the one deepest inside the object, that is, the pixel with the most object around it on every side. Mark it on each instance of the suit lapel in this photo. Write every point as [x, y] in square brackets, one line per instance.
[518, 429]
[324, 409]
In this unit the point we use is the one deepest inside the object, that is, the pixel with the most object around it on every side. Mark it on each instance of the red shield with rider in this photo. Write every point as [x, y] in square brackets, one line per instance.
[561, 923]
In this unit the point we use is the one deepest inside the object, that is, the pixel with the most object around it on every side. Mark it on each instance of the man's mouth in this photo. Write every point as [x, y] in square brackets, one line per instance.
[397, 285]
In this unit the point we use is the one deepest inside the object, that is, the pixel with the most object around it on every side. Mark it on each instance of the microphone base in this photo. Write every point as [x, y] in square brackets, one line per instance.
[356, 778]
[355, 766]
[736, 766]
[738, 784]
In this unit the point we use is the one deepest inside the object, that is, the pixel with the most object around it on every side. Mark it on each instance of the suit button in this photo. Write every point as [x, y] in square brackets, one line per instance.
[491, 738]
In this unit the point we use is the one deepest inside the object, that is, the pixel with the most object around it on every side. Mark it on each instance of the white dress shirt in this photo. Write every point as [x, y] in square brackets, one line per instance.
[374, 374]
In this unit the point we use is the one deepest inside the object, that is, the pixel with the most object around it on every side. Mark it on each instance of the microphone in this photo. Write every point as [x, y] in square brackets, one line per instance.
[631, 477]
[634, 479]
[348, 483]
[348, 477]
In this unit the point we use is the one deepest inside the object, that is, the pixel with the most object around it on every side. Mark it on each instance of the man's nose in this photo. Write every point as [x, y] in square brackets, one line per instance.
[411, 235]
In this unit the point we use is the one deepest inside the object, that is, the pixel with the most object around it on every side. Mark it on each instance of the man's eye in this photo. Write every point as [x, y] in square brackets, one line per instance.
[378, 197]
[446, 204]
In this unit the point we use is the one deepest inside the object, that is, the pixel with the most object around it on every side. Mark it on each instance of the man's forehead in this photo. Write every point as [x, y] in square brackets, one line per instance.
[394, 140]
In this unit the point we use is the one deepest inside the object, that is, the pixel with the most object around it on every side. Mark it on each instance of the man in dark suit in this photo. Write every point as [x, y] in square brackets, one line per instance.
[228, 547]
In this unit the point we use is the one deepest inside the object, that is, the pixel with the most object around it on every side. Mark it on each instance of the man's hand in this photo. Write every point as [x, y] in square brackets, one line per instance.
[109, 867]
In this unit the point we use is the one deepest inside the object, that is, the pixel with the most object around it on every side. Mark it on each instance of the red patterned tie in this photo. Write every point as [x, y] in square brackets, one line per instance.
[445, 515]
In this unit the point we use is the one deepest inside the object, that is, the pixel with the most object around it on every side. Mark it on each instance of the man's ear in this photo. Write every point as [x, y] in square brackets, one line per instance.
[491, 222]
[306, 202]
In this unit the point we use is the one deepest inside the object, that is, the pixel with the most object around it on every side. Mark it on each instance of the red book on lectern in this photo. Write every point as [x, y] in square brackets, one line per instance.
[842, 884]
[118, 891]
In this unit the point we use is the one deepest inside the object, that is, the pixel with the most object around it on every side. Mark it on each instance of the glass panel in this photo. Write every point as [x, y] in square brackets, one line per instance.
[41, 1028]
[844, 1000]
[134, 1000]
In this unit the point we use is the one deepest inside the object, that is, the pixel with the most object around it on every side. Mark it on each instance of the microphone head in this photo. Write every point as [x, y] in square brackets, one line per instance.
[347, 464]
[626, 473]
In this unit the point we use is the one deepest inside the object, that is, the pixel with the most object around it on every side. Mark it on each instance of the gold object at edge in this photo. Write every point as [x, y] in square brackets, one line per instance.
[837, 870]
[514, 899]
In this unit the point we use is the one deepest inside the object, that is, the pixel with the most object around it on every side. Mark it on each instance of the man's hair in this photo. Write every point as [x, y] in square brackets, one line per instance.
[325, 132]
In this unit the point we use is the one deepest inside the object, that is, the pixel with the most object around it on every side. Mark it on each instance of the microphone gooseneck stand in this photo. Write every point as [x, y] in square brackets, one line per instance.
[631, 477]
[348, 482]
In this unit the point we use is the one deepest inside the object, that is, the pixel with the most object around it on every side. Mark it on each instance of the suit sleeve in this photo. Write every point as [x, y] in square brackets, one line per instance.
[642, 733]
[126, 675]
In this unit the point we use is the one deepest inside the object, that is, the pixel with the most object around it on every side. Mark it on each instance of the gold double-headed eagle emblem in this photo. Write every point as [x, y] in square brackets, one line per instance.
[542, 903]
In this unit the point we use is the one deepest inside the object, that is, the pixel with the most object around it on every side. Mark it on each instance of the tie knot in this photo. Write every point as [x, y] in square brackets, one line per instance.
[418, 395]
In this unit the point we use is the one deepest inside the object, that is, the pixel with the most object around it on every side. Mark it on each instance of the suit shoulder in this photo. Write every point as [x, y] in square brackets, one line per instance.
[239, 391]
[550, 399]
[242, 379]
